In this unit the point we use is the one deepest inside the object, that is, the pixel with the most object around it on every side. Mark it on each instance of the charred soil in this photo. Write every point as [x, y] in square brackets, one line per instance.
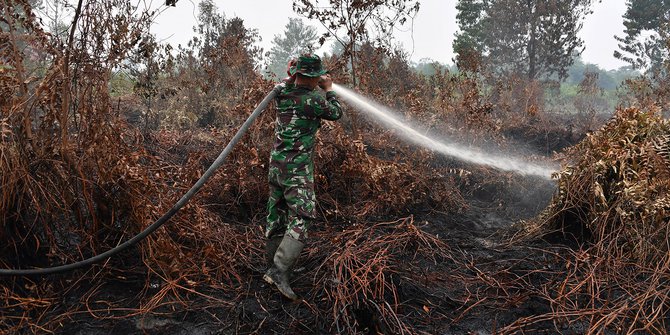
[472, 281]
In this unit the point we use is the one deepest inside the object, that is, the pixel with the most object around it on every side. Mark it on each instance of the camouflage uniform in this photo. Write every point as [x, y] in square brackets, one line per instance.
[291, 205]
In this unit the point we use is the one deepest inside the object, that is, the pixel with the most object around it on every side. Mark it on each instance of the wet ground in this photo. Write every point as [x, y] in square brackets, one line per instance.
[478, 295]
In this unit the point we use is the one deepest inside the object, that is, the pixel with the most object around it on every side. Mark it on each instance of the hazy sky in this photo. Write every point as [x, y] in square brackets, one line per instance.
[430, 36]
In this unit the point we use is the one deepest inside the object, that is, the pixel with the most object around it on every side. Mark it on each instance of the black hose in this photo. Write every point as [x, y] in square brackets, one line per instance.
[163, 219]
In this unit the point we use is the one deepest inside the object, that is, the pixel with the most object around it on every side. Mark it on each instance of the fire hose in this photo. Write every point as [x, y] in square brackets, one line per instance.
[163, 219]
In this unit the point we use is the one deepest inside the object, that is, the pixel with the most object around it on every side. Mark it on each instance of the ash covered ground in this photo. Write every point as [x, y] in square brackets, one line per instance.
[483, 288]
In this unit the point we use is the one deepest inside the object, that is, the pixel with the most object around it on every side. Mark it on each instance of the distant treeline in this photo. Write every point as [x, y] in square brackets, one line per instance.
[608, 80]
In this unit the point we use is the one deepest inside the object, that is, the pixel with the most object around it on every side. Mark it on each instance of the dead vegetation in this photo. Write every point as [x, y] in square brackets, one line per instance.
[82, 170]
[613, 198]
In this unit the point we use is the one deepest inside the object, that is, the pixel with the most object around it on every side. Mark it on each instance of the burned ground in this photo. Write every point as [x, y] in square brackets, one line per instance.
[433, 247]
[432, 270]
[462, 254]
[444, 292]
[407, 242]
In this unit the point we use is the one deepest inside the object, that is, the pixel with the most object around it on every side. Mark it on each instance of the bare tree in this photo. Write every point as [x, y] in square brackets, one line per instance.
[350, 21]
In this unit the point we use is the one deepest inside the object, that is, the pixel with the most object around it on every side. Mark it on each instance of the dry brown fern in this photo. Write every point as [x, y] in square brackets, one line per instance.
[616, 194]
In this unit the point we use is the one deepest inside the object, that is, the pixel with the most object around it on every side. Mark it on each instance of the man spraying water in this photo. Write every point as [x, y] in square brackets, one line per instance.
[292, 201]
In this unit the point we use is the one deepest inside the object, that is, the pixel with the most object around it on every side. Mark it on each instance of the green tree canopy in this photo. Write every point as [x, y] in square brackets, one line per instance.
[298, 38]
[534, 38]
[468, 45]
[645, 40]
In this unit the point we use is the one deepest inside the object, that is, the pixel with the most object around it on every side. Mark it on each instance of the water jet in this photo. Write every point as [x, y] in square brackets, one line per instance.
[387, 117]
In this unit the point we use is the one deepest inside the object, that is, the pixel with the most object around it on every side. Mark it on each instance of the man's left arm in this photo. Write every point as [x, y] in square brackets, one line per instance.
[328, 108]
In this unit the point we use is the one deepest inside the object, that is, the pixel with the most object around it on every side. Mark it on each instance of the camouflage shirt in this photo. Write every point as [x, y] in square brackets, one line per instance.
[299, 114]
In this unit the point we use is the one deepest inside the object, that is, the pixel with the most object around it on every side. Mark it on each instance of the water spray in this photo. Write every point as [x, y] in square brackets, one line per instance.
[478, 157]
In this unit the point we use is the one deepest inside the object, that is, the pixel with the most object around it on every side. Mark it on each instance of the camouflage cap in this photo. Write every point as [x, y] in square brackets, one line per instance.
[308, 65]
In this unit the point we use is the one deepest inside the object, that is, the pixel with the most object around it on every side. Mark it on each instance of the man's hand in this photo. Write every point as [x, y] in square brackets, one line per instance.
[326, 83]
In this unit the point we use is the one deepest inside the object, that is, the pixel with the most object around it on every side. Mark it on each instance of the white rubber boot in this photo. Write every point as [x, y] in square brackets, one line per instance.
[285, 258]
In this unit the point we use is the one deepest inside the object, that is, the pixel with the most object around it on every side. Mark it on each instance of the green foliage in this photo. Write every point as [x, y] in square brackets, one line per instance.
[468, 44]
[429, 67]
[120, 84]
[566, 95]
[571, 98]
[298, 38]
[607, 79]
[532, 38]
[644, 44]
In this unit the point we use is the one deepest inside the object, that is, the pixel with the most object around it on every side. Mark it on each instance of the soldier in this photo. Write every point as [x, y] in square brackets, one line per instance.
[291, 205]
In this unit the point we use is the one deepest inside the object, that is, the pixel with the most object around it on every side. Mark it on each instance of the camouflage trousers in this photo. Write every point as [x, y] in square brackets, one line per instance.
[292, 202]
